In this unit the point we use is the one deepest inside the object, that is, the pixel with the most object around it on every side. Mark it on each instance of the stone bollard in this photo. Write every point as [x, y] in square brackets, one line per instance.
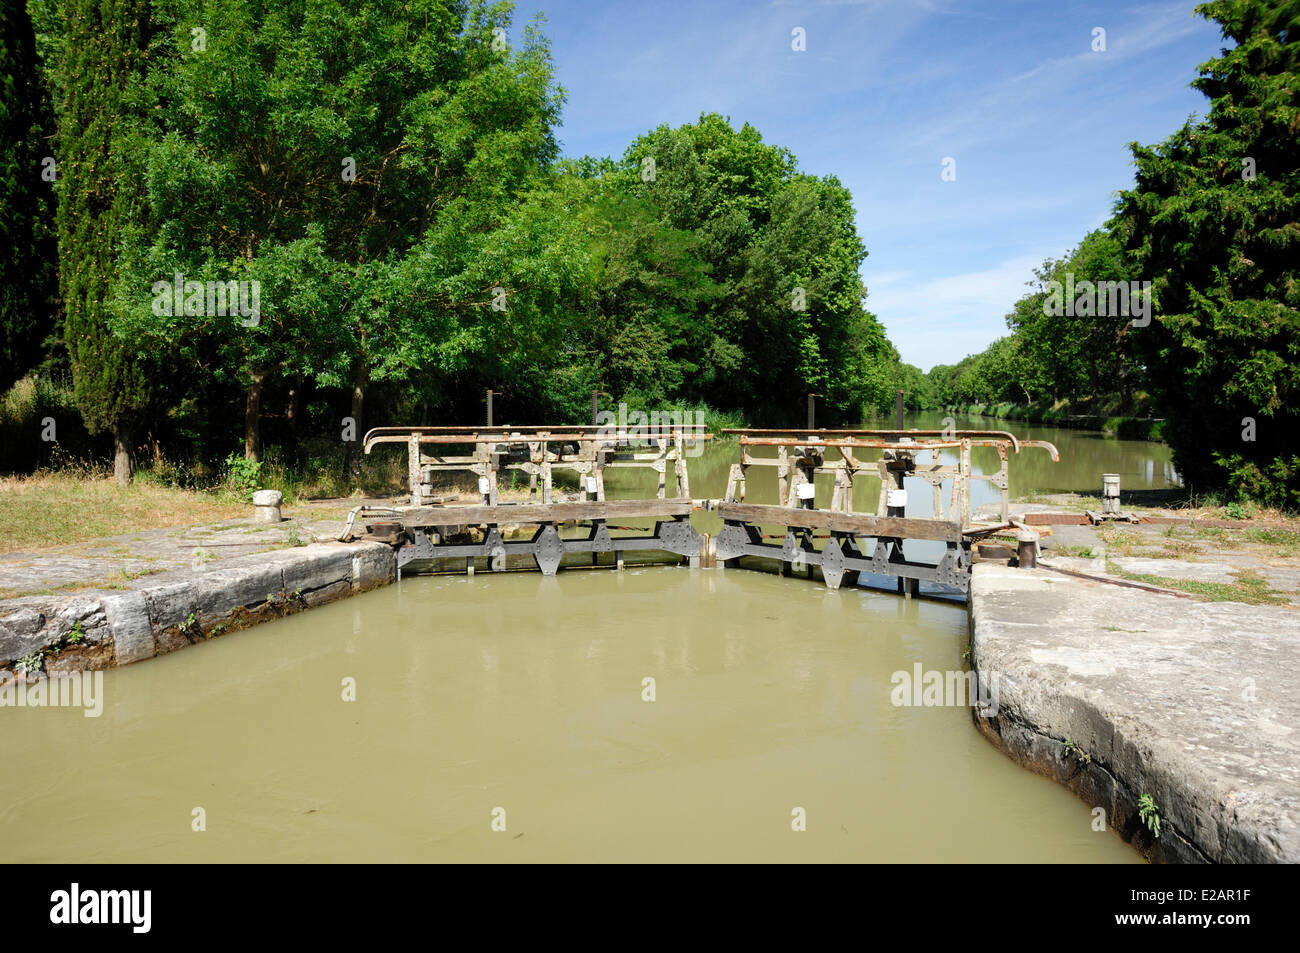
[1110, 493]
[266, 505]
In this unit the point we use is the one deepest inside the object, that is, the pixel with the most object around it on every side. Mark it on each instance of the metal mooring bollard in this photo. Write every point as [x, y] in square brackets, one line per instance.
[1027, 555]
[266, 505]
[1110, 493]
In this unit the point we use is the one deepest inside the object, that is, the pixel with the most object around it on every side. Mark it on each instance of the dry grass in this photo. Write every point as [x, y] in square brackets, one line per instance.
[1277, 542]
[116, 580]
[1178, 549]
[1247, 586]
[1183, 542]
[56, 509]
[1119, 540]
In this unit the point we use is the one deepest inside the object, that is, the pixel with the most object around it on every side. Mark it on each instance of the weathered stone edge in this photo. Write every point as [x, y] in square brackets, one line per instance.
[1116, 786]
[184, 608]
[1094, 783]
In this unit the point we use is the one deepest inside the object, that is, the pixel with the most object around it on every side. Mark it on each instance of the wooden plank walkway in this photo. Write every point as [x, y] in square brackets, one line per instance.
[470, 533]
[858, 523]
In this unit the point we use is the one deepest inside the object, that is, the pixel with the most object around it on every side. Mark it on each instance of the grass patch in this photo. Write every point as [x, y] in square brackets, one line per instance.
[129, 574]
[1284, 543]
[1222, 538]
[1078, 552]
[55, 509]
[1184, 542]
[117, 580]
[1248, 587]
[46, 590]
[1277, 542]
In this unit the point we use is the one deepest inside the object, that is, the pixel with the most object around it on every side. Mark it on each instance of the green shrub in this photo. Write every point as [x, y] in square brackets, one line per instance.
[1149, 813]
[24, 410]
[243, 476]
[1275, 484]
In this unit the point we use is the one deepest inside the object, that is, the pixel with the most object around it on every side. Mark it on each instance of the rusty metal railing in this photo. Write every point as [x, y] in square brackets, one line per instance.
[801, 455]
[539, 451]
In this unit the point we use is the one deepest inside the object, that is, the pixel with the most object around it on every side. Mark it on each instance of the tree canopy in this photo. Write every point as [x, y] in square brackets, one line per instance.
[27, 293]
[1214, 220]
[1212, 226]
[99, 202]
[303, 210]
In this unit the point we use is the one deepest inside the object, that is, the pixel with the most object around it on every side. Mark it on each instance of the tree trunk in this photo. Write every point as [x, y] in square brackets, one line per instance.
[1125, 385]
[294, 410]
[123, 468]
[360, 378]
[253, 419]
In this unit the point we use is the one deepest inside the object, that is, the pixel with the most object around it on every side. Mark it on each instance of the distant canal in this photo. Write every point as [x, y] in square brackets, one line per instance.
[1085, 456]
[521, 701]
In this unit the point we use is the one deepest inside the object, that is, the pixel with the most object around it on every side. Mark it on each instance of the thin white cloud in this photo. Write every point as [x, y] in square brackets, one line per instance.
[934, 320]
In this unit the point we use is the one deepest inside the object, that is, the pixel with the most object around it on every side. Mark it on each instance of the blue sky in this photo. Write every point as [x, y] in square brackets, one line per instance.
[886, 89]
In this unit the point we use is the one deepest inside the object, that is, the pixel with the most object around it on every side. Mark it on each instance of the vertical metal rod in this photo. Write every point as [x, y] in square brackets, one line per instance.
[595, 407]
[964, 469]
[898, 410]
[812, 411]
[413, 468]
[489, 407]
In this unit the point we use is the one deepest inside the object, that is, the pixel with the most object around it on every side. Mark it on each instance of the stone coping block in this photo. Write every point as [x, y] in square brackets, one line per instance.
[1194, 703]
[161, 613]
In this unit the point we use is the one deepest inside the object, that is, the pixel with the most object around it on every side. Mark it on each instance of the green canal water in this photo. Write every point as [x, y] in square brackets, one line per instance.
[508, 718]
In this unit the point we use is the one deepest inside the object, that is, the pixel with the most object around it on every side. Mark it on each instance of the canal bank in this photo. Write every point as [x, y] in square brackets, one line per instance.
[1124, 695]
[98, 628]
[1132, 428]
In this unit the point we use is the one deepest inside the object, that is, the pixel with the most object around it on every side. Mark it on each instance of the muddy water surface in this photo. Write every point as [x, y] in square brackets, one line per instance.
[526, 693]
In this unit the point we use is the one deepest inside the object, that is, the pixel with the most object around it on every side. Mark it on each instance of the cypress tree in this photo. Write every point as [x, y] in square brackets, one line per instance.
[26, 199]
[104, 55]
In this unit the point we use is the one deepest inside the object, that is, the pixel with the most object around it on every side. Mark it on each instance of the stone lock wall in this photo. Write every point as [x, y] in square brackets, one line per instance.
[100, 629]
